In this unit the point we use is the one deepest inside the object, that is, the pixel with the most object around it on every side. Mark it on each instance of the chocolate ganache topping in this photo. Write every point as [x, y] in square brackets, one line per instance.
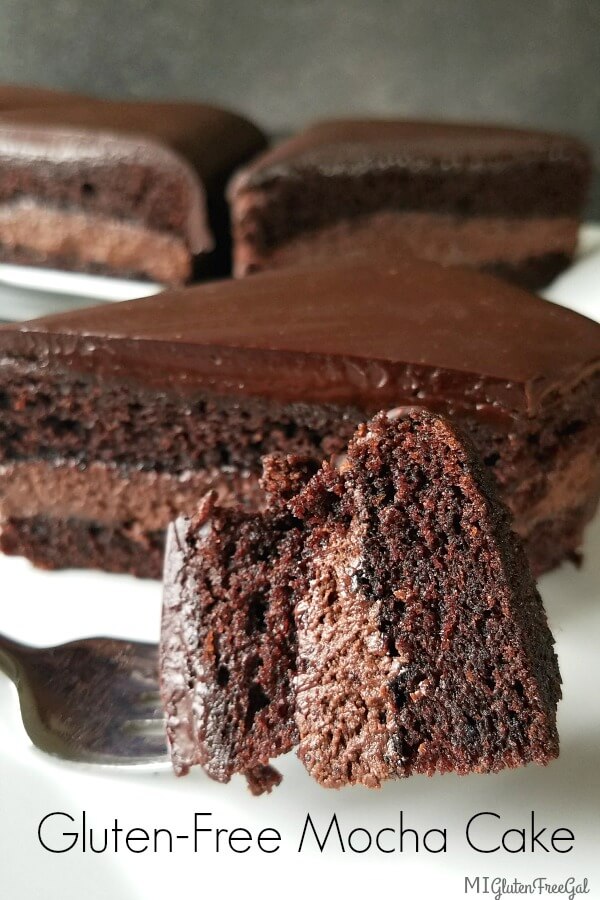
[363, 333]
[354, 147]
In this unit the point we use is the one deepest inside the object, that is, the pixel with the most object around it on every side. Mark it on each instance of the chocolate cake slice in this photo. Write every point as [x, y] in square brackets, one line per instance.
[122, 188]
[501, 199]
[382, 617]
[116, 419]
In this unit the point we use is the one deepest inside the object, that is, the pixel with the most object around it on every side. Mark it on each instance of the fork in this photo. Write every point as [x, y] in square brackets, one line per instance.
[92, 701]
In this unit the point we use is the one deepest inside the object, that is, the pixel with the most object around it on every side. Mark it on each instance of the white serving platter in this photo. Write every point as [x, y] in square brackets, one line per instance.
[45, 608]
[26, 292]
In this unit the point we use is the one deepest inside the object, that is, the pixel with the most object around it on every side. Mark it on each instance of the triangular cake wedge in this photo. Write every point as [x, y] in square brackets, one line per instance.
[423, 645]
[115, 420]
[397, 602]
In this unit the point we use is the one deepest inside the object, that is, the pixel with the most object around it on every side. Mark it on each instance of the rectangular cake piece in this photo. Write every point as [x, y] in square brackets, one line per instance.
[134, 189]
[501, 199]
[379, 615]
[114, 420]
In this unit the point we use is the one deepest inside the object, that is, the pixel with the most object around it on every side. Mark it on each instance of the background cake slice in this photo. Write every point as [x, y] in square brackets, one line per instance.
[502, 199]
[123, 188]
[114, 420]
[382, 617]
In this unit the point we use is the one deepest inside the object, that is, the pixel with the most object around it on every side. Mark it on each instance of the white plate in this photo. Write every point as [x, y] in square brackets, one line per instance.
[44, 608]
[27, 292]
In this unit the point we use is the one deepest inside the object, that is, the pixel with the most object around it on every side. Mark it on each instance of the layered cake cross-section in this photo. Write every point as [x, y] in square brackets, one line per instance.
[127, 188]
[379, 615]
[501, 199]
[114, 420]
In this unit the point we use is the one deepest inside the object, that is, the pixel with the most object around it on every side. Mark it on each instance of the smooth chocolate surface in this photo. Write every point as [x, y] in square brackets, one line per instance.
[21, 96]
[211, 139]
[356, 333]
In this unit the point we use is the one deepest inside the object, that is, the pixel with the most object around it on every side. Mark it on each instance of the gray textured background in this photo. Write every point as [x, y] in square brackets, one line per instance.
[286, 61]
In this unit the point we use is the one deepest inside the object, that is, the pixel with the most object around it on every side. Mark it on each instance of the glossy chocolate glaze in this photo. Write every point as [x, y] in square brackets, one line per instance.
[355, 146]
[196, 144]
[211, 139]
[362, 333]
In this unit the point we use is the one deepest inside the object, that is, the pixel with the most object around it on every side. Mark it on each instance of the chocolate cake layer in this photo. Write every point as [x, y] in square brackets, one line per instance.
[97, 177]
[482, 196]
[81, 544]
[532, 250]
[393, 597]
[228, 645]
[201, 384]
[423, 645]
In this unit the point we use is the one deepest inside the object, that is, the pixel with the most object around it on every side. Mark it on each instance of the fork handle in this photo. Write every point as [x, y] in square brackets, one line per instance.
[11, 654]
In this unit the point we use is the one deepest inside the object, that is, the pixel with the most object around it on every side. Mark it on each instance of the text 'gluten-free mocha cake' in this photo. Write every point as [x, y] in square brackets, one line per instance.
[127, 188]
[379, 615]
[116, 419]
[505, 200]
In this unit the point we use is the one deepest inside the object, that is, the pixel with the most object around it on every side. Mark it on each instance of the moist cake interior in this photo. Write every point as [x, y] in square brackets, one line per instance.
[229, 619]
[390, 599]
[449, 666]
